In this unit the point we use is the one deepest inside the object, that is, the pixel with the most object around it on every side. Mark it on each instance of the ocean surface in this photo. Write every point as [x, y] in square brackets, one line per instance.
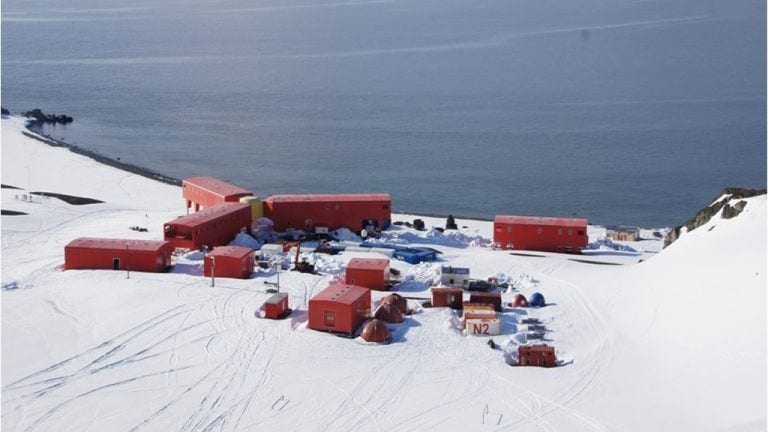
[624, 112]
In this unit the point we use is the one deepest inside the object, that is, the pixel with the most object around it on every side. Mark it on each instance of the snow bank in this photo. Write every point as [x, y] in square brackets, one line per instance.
[245, 240]
[426, 273]
[344, 234]
[452, 238]
[517, 281]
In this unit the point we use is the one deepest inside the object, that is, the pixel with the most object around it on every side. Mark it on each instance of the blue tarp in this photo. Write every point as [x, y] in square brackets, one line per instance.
[414, 255]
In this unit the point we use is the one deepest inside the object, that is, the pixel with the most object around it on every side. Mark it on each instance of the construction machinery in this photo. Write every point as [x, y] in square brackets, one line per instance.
[302, 266]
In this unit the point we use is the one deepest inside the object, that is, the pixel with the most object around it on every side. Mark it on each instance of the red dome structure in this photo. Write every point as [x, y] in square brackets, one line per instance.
[520, 301]
[389, 313]
[396, 299]
[375, 331]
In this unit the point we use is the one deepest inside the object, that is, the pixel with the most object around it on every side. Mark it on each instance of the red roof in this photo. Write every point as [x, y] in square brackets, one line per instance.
[121, 244]
[216, 186]
[368, 264]
[207, 215]
[346, 294]
[446, 289]
[329, 197]
[238, 252]
[542, 348]
[538, 220]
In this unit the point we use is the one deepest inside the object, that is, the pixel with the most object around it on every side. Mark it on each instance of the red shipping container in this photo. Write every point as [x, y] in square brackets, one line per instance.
[339, 308]
[372, 273]
[206, 192]
[118, 254]
[276, 307]
[540, 233]
[307, 212]
[537, 355]
[488, 298]
[447, 297]
[229, 262]
[215, 226]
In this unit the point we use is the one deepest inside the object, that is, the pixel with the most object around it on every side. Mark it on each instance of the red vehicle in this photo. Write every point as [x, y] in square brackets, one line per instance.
[309, 212]
[540, 233]
[447, 297]
[339, 308]
[206, 192]
[276, 307]
[372, 273]
[215, 226]
[537, 355]
[118, 254]
[229, 262]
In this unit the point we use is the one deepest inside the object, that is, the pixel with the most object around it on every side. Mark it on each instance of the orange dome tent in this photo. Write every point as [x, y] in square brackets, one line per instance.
[375, 331]
[389, 313]
[396, 299]
[520, 301]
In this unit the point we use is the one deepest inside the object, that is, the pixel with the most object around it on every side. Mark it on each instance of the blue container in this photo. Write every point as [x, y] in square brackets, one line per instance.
[414, 255]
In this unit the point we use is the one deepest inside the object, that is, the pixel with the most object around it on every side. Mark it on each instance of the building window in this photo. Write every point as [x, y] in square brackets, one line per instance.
[539, 230]
[570, 232]
[559, 231]
[509, 229]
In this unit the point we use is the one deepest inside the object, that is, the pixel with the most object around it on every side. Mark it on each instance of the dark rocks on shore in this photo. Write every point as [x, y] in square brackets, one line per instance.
[735, 195]
[39, 117]
[5, 111]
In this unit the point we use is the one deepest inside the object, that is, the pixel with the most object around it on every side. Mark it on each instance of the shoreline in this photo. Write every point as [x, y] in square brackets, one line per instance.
[30, 132]
[37, 135]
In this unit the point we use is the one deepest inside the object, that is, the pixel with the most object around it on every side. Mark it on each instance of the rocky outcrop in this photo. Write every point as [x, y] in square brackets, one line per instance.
[722, 203]
[39, 117]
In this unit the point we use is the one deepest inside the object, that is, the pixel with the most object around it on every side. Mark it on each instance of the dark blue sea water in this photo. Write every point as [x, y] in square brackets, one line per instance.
[634, 112]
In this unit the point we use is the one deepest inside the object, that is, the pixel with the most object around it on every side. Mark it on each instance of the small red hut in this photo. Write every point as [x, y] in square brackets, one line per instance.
[339, 308]
[544, 234]
[206, 192]
[230, 262]
[537, 355]
[117, 254]
[486, 297]
[447, 297]
[372, 273]
[215, 226]
[276, 307]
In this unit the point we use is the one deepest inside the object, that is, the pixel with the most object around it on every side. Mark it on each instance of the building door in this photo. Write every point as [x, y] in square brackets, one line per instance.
[115, 263]
[329, 318]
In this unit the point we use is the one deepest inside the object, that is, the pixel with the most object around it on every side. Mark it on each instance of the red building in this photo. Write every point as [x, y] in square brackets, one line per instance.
[206, 192]
[540, 233]
[215, 226]
[488, 298]
[308, 212]
[276, 307]
[118, 254]
[447, 297]
[339, 308]
[372, 273]
[537, 355]
[229, 262]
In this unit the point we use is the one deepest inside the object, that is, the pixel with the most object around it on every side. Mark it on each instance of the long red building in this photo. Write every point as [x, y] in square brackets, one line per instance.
[308, 212]
[215, 226]
[206, 192]
[339, 308]
[118, 254]
[544, 234]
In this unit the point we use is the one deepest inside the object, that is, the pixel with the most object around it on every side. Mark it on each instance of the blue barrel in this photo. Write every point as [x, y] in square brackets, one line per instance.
[537, 300]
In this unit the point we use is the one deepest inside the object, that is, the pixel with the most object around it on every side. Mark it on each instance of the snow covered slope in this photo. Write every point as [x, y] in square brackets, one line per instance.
[676, 342]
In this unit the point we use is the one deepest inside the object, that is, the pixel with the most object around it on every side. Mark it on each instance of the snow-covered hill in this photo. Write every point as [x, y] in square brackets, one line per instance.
[675, 342]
